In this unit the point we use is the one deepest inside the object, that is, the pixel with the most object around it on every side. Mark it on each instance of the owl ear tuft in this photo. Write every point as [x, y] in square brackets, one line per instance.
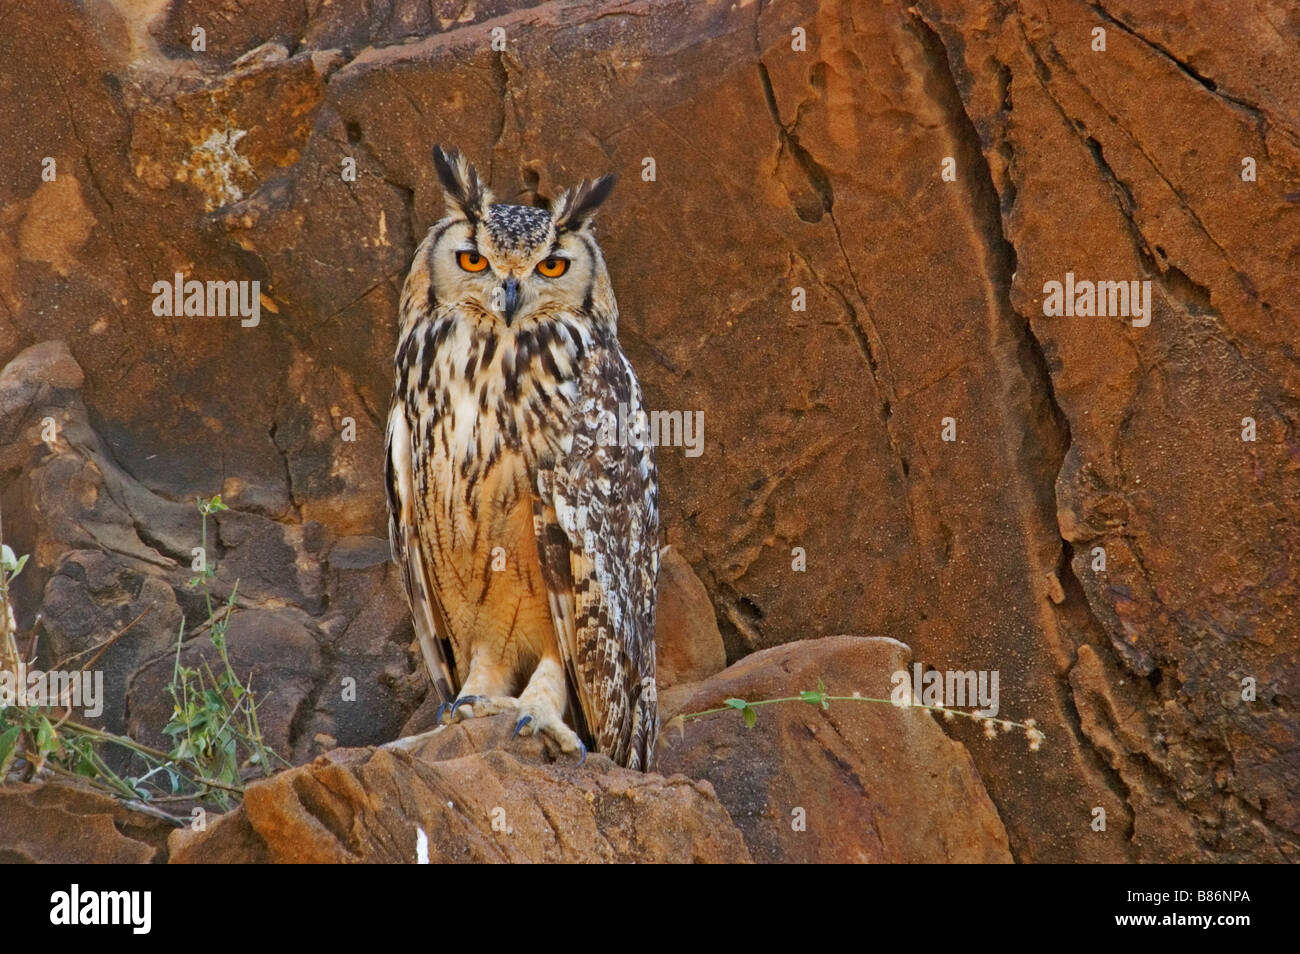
[464, 190]
[576, 207]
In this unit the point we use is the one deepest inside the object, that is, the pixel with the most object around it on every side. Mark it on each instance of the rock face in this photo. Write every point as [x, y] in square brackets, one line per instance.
[858, 782]
[798, 268]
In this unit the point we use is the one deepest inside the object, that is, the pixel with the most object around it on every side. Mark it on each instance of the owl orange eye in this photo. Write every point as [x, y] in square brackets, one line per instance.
[471, 261]
[553, 267]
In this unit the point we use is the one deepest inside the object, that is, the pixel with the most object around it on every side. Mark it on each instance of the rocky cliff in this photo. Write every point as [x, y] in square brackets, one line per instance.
[843, 257]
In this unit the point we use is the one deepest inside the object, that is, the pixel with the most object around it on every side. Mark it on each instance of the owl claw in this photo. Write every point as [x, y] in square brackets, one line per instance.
[464, 701]
[474, 706]
[544, 721]
[442, 709]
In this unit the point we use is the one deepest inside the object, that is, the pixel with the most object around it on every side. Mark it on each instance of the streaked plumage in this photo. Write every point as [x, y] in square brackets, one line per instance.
[526, 530]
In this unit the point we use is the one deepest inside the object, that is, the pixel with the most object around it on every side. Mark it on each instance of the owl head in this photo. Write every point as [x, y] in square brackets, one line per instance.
[516, 264]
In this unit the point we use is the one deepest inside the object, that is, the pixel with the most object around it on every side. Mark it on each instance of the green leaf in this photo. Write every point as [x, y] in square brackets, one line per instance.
[22, 562]
[211, 506]
[11, 565]
[736, 703]
[7, 753]
[750, 716]
[46, 739]
[816, 697]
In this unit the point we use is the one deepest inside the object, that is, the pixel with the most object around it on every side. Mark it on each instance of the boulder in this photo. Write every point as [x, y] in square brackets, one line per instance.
[855, 782]
[464, 801]
[688, 646]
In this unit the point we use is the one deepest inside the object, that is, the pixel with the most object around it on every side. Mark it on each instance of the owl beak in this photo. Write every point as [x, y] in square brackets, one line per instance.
[511, 289]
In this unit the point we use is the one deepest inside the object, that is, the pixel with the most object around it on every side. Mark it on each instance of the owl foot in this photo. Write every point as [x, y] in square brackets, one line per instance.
[473, 707]
[535, 720]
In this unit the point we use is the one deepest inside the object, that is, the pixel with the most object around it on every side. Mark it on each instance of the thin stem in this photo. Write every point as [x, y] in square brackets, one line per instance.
[889, 702]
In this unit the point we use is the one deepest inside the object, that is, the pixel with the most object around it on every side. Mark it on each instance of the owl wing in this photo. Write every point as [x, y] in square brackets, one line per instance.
[431, 626]
[598, 541]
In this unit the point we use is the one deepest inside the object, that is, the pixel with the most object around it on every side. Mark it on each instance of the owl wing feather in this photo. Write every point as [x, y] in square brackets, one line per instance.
[598, 542]
[431, 626]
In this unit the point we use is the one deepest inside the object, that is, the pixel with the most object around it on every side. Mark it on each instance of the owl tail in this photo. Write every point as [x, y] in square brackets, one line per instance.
[645, 727]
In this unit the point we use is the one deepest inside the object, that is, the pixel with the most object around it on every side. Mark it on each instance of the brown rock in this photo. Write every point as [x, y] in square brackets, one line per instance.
[868, 782]
[58, 202]
[424, 717]
[60, 824]
[688, 646]
[48, 365]
[368, 805]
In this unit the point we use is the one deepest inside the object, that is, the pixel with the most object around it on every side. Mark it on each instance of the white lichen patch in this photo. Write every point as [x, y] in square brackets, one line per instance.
[215, 167]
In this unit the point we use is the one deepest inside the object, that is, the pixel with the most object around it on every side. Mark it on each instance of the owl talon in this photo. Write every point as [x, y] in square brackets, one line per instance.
[442, 710]
[475, 706]
[583, 749]
[464, 701]
[520, 725]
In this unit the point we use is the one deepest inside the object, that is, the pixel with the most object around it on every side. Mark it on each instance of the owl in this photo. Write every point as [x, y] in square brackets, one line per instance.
[524, 519]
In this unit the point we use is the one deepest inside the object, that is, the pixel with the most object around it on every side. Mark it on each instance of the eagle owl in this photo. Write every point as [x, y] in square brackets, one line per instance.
[525, 524]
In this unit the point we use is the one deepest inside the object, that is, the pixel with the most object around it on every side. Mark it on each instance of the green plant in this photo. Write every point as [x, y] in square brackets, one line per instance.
[217, 740]
[214, 719]
[10, 567]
